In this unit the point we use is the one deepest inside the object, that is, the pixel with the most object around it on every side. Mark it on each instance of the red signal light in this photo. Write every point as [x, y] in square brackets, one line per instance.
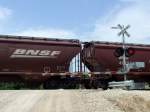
[120, 51]
[129, 52]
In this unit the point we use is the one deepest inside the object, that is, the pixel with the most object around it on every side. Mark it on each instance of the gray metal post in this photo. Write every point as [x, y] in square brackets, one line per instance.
[123, 32]
[124, 57]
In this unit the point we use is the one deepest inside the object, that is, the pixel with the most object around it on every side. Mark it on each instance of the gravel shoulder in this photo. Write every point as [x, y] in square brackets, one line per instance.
[74, 101]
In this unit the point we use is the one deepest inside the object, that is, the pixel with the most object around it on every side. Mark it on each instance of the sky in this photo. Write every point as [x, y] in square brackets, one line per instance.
[87, 20]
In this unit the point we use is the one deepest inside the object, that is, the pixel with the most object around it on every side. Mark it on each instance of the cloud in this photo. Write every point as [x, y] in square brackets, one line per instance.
[133, 12]
[4, 13]
[136, 14]
[47, 32]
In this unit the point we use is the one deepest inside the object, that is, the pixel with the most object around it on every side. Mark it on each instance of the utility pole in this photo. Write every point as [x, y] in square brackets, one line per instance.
[123, 33]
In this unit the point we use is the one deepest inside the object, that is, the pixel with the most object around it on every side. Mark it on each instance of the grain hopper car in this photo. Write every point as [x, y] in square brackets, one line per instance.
[100, 59]
[36, 60]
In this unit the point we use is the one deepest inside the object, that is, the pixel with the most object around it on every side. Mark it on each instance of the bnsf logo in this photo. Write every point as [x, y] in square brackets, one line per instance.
[30, 53]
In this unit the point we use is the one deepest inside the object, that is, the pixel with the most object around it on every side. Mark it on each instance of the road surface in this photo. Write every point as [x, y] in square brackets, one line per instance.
[74, 101]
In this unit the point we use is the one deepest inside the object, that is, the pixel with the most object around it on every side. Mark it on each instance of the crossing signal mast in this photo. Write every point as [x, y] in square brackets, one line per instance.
[123, 51]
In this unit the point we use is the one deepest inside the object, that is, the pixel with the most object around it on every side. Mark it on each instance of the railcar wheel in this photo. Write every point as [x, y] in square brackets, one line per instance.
[104, 84]
[95, 84]
[87, 84]
[51, 84]
[68, 83]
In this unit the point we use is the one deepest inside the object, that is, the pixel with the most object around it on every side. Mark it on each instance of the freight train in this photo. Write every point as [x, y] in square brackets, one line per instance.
[35, 61]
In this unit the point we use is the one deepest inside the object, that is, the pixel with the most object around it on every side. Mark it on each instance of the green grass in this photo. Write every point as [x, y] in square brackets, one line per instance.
[10, 86]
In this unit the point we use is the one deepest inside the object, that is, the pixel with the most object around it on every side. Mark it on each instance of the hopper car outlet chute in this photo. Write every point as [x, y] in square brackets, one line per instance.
[46, 61]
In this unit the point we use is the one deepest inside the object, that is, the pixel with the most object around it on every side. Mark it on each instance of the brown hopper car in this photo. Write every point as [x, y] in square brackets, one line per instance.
[99, 57]
[33, 59]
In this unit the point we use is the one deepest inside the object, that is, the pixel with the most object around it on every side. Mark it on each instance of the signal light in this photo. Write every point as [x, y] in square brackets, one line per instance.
[129, 52]
[120, 51]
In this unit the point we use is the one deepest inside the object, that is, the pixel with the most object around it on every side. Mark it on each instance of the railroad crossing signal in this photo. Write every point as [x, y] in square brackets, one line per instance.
[120, 51]
[123, 33]
[123, 29]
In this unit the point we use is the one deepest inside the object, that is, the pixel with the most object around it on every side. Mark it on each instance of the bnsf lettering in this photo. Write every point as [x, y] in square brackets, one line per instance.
[18, 53]
[55, 53]
[32, 52]
[45, 53]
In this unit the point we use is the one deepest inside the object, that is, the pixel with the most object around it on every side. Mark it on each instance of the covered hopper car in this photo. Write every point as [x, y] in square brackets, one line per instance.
[35, 60]
[99, 57]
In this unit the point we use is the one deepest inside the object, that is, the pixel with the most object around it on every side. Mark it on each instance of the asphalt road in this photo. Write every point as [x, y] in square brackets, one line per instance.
[73, 101]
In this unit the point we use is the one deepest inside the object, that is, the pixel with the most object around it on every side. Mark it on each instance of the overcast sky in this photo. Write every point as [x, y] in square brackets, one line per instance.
[80, 19]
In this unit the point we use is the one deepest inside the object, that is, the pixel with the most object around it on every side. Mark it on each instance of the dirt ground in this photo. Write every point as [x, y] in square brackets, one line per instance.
[74, 101]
